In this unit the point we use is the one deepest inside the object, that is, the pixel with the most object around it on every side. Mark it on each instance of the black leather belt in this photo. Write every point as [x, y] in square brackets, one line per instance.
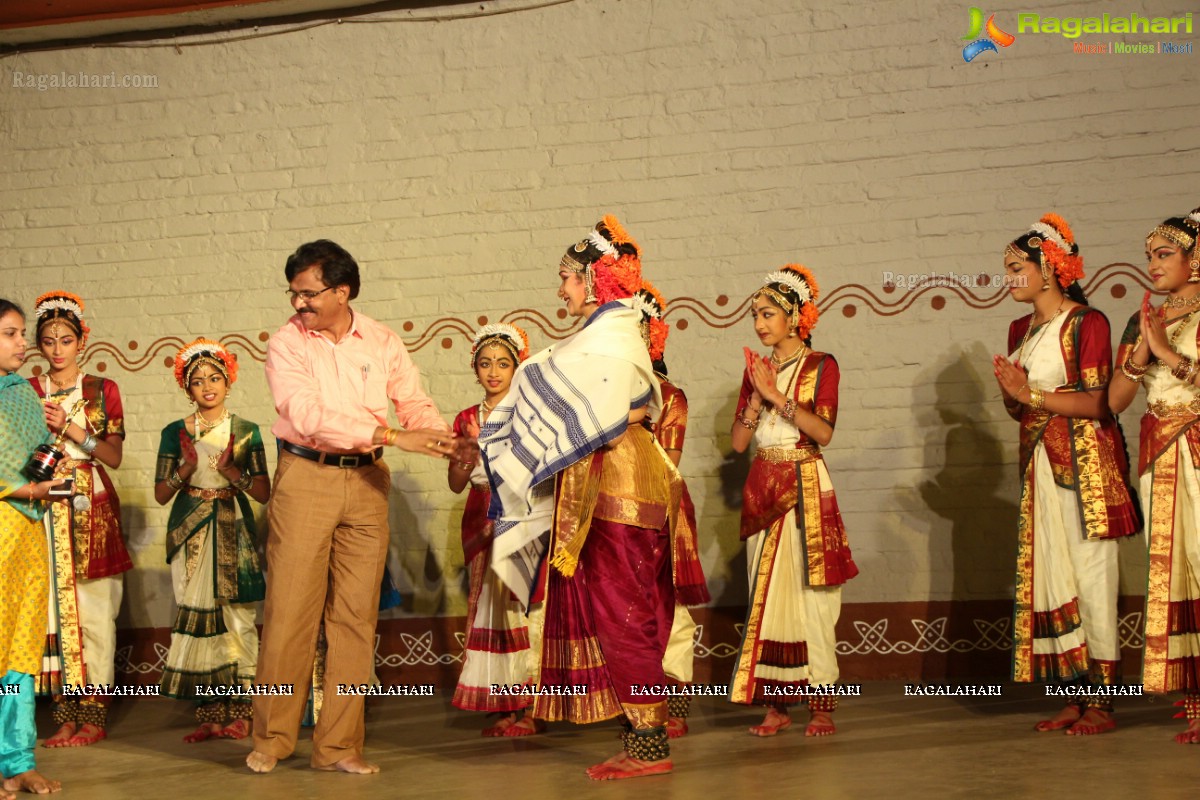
[351, 461]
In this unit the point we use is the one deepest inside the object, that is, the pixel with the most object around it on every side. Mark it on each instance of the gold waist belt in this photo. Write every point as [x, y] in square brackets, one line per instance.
[782, 455]
[1164, 410]
[211, 494]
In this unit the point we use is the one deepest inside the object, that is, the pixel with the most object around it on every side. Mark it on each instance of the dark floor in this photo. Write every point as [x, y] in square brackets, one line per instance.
[887, 746]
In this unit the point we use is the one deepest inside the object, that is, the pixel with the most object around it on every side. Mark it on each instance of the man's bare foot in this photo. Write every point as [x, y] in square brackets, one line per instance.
[207, 730]
[354, 765]
[261, 762]
[1092, 722]
[31, 781]
[622, 766]
[775, 721]
[676, 727]
[86, 735]
[526, 726]
[505, 722]
[1191, 735]
[238, 729]
[820, 723]
[1069, 715]
[61, 736]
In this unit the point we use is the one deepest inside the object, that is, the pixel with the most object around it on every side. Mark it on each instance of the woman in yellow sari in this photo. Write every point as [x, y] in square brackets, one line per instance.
[24, 583]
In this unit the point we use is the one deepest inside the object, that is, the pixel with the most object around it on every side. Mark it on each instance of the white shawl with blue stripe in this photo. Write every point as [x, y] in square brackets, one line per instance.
[565, 403]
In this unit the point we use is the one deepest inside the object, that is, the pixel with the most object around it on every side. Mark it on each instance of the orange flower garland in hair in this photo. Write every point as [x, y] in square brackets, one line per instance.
[617, 233]
[64, 301]
[617, 278]
[808, 314]
[652, 305]
[206, 347]
[1067, 266]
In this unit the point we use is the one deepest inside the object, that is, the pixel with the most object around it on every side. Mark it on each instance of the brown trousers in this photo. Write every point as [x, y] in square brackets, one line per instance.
[326, 549]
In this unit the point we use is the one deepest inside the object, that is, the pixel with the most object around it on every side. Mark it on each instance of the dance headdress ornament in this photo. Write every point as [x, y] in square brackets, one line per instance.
[794, 289]
[510, 337]
[609, 260]
[204, 351]
[1181, 231]
[1050, 243]
[61, 307]
[651, 305]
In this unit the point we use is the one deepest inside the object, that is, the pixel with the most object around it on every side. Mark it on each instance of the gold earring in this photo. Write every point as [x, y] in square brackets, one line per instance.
[1195, 276]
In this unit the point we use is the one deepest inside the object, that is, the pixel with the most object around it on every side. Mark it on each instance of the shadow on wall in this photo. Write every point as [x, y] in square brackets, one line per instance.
[429, 587]
[148, 600]
[974, 489]
[732, 474]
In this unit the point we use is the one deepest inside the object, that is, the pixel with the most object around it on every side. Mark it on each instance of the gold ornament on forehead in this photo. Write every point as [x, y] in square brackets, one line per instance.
[1173, 235]
[211, 361]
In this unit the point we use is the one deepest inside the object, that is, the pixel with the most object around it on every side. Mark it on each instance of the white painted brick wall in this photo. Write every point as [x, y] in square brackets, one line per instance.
[457, 160]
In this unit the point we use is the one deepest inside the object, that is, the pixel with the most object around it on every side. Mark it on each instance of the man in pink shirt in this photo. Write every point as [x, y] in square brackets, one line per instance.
[332, 371]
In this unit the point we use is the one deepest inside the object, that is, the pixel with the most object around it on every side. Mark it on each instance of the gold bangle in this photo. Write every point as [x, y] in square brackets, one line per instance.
[389, 436]
[1037, 399]
[1132, 372]
[748, 423]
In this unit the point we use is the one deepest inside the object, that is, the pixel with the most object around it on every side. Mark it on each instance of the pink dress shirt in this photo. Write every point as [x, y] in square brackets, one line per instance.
[332, 397]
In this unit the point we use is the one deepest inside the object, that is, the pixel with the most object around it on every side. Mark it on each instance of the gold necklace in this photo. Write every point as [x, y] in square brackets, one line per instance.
[787, 393]
[485, 410]
[1182, 302]
[1045, 326]
[66, 386]
[779, 362]
[206, 426]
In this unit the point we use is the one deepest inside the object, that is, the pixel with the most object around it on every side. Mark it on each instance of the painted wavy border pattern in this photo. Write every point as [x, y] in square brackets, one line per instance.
[445, 332]
[930, 637]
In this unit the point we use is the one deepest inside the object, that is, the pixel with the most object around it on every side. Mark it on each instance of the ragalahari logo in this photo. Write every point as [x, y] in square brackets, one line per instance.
[994, 37]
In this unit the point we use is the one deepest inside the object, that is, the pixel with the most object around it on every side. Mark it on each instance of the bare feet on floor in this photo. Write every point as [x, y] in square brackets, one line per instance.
[1191, 735]
[261, 762]
[238, 729]
[622, 766]
[207, 730]
[86, 735]
[1063, 719]
[775, 721]
[820, 723]
[505, 722]
[31, 781]
[676, 727]
[61, 736]
[1092, 722]
[353, 765]
[526, 726]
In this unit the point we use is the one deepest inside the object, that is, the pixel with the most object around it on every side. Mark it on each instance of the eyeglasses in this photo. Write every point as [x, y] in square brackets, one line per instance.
[304, 295]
